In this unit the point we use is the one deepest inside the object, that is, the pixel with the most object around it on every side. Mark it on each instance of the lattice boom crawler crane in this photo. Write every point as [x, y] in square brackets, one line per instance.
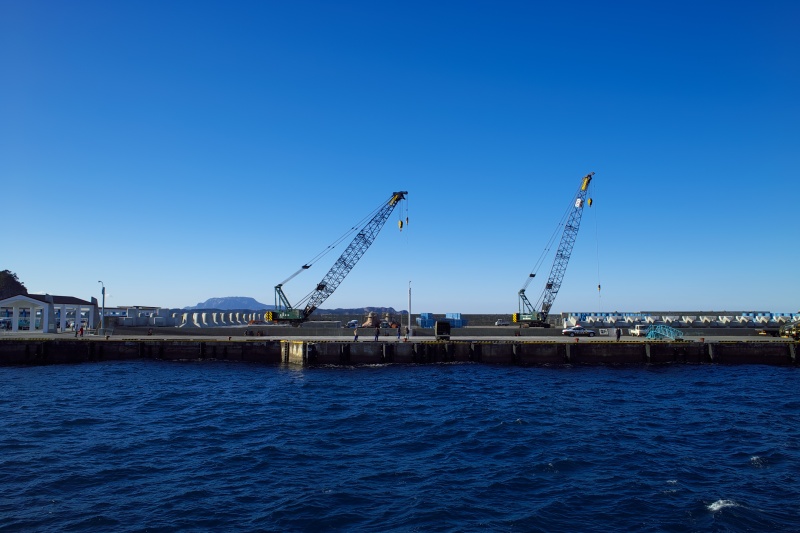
[528, 313]
[285, 312]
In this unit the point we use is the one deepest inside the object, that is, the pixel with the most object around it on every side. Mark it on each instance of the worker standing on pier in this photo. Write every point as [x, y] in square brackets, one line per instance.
[377, 332]
[355, 334]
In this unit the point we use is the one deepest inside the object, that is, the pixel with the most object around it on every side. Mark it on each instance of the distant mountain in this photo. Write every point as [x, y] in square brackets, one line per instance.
[230, 303]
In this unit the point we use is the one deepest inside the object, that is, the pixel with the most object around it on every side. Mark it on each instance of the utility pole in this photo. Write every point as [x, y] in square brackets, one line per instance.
[409, 309]
[103, 311]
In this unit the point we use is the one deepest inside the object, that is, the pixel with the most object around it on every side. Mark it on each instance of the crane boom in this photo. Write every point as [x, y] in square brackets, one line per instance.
[528, 312]
[340, 269]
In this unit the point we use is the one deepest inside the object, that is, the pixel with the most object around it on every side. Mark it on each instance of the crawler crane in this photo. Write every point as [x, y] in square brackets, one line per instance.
[537, 315]
[286, 313]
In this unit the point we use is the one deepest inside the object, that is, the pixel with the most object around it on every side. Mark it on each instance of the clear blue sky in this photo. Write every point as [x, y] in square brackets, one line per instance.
[189, 149]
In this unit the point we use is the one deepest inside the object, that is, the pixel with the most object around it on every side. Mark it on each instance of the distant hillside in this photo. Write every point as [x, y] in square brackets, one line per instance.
[230, 303]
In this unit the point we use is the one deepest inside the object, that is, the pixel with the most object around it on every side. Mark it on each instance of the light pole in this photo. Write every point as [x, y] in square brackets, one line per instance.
[103, 311]
[410, 330]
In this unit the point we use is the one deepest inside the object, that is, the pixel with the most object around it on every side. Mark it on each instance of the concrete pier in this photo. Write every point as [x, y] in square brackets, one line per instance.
[44, 351]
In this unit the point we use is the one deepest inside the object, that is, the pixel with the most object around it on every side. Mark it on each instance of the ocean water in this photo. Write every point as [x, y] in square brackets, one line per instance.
[152, 446]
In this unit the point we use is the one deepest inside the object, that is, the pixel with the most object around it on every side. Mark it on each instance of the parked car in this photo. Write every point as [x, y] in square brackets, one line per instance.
[578, 331]
[352, 324]
[502, 322]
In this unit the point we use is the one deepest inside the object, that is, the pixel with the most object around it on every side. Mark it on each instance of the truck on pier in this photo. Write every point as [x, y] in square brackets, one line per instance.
[441, 330]
[790, 330]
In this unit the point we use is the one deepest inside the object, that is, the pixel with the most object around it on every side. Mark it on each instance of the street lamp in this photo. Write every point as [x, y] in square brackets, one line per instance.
[103, 312]
[410, 330]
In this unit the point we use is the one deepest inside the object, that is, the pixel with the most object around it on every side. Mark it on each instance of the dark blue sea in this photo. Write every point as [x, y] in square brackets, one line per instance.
[151, 446]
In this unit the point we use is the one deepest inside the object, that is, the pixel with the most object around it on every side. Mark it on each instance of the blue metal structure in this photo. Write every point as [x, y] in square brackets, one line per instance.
[660, 331]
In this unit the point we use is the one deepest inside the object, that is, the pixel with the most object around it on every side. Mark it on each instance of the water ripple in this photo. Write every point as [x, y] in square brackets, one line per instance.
[133, 445]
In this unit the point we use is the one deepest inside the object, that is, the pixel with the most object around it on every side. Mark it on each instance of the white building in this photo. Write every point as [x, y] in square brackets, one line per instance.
[47, 313]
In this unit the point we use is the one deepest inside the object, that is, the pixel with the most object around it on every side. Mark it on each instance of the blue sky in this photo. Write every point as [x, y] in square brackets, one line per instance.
[185, 150]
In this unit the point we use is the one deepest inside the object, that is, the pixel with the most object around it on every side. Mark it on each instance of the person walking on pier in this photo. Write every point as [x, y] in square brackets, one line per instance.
[355, 334]
[377, 332]
[619, 333]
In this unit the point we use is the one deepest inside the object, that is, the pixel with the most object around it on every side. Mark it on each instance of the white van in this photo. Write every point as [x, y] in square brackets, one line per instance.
[639, 330]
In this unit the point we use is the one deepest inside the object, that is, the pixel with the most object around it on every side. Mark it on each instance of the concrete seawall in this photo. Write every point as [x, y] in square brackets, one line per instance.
[313, 353]
[543, 353]
[44, 352]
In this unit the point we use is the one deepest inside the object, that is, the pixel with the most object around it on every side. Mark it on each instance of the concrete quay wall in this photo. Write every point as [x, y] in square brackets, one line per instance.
[48, 351]
[317, 353]
[548, 353]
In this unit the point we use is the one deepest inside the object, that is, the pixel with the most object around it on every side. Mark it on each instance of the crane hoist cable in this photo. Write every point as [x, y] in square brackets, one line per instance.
[333, 245]
[546, 251]
[597, 248]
